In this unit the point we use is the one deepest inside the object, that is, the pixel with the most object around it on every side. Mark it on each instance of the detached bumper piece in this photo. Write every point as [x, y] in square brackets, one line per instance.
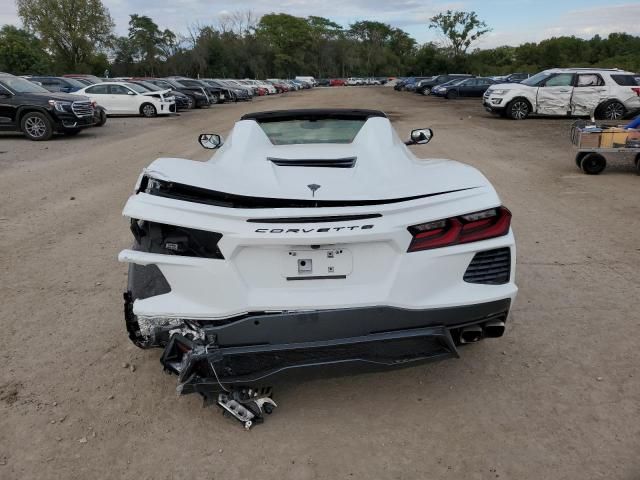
[236, 378]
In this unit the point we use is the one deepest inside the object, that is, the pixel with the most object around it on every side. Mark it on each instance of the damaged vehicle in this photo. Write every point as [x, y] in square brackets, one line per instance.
[312, 241]
[608, 94]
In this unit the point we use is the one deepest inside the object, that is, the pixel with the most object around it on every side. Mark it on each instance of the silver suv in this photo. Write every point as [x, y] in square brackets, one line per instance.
[607, 94]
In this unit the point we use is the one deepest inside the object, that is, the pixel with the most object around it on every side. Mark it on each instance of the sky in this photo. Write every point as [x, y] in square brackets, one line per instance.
[513, 21]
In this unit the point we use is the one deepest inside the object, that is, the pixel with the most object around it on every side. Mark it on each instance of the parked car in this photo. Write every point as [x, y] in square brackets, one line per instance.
[84, 78]
[424, 86]
[354, 81]
[231, 94]
[236, 84]
[58, 84]
[124, 98]
[197, 96]
[384, 262]
[608, 94]
[468, 87]
[182, 100]
[337, 82]
[310, 80]
[38, 113]
[215, 94]
[440, 90]
[324, 82]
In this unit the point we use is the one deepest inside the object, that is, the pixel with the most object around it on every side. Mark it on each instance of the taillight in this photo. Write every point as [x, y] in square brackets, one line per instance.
[637, 90]
[473, 227]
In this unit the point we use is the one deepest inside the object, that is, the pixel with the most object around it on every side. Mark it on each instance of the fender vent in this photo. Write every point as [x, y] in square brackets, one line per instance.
[492, 267]
[347, 162]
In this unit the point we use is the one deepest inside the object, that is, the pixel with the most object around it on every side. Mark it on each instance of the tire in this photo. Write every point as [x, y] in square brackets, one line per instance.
[36, 126]
[72, 132]
[215, 98]
[579, 157]
[191, 102]
[102, 120]
[148, 110]
[613, 110]
[426, 91]
[593, 164]
[518, 109]
[452, 95]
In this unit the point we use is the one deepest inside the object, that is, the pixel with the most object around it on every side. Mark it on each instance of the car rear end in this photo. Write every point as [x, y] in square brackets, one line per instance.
[625, 87]
[279, 285]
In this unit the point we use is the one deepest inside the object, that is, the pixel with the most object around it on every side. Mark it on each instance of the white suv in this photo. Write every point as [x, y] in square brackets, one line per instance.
[604, 93]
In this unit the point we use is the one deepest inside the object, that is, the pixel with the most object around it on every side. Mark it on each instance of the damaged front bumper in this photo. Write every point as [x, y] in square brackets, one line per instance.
[261, 350]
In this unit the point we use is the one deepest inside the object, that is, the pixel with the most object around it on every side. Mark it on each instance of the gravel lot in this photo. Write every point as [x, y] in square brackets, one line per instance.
[558, 397]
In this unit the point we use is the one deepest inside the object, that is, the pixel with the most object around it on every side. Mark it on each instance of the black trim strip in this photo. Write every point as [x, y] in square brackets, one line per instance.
[188, 193]
[319, 277]
[329, 218]
[347, 162]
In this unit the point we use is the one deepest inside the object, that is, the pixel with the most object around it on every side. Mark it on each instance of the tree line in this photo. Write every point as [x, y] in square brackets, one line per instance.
[62, 36]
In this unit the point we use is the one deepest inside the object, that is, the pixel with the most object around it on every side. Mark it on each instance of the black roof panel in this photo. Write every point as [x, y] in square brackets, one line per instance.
[313, 114]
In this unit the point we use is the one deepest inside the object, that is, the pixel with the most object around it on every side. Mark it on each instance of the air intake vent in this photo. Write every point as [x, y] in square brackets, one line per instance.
[347, 162]
[492, 267]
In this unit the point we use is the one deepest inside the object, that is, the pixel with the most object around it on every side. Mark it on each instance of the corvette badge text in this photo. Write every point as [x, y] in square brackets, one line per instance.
[313, 230]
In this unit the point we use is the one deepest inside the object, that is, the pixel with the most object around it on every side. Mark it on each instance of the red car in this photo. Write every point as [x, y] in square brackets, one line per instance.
[337, 82]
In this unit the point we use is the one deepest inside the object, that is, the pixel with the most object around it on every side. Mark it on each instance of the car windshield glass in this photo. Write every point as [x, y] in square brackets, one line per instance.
[536, 79]
[291, 132]
[176, 83]
[74, 82]
[137, 88]
[150, 86]
[20, 85]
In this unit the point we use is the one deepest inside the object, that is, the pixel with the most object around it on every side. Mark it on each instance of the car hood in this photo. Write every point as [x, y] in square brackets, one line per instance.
[156, 92]
[384, 168]
[63, 97]
[507, 86]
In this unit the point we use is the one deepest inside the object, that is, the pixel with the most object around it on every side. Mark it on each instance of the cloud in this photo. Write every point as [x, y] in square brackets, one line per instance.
[583, 23]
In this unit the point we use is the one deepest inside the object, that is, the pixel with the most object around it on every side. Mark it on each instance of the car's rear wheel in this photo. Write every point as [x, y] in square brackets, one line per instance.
[452, 95]
[593, 163]
[613, 110]
[36, 126]
[148, 110]
[426, 91]
[518, 109]
[215, 98]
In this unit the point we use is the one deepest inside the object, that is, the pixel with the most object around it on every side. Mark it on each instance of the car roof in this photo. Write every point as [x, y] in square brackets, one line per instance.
[585, 69]
[313, 114]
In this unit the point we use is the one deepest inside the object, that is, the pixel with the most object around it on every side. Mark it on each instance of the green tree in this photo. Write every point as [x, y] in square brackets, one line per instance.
[289, 37]
[73, 30]
[21, 52]
[460, 29]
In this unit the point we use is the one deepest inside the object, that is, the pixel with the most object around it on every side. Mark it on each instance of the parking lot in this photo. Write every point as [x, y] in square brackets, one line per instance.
[555, 398]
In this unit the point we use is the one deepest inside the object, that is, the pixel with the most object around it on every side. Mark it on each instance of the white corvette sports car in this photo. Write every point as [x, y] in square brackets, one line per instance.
[312, 239]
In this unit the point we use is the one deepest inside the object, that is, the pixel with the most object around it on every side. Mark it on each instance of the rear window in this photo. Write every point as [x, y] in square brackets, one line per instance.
[292, 132]
[627, 80]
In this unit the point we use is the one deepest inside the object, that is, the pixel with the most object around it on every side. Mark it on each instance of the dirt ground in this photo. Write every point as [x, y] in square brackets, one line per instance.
[558, 397]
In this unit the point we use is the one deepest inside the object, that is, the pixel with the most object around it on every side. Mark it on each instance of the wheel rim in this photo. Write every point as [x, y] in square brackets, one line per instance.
[614, 111]
[190, 102]
[148, 110]
[520, 110]
[35, 127]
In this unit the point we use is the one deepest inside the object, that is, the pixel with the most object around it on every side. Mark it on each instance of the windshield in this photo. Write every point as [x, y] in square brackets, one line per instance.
[291, 132]
[150, 86]
[74, 82]
[137, 88]
[536, 79]
[20, 85]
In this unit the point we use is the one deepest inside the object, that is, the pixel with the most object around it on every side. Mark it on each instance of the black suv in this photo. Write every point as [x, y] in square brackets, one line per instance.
[216, 94]
[425, 86]
[29, 108]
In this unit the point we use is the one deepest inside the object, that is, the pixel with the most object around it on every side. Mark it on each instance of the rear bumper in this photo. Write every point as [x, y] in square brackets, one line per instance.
[259, 350]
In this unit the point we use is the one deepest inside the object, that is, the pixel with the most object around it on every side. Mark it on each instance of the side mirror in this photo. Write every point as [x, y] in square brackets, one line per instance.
[130, 93]
[420, 136]
[210, 141]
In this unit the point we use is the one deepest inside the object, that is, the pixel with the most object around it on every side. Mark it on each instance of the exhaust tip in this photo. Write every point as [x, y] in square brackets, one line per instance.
[494, 329]
[471, 334]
